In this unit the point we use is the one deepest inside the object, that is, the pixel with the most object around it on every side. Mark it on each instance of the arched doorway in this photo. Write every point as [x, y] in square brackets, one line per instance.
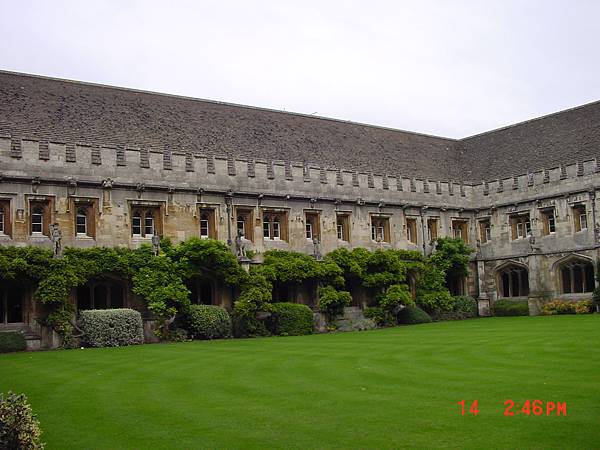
[202, 291]
[101, 293]
[12, 303]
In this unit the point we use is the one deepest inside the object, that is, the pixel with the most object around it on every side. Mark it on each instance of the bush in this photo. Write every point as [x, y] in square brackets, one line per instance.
[248, 326]
[436, 302]
[465, 307]
[332, 301]
[510, 308]
[207, 322]
[19, 428]
[290, 319]
[111, 327]
[413, 315]
[381, 316]
[396, 296]
[12, 342]
[567, 307]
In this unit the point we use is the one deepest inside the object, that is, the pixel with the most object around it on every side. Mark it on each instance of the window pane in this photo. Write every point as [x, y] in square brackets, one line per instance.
[149, 225]
[136, 225]
[204, 228]
[276, 229]
[380, 234]
[241, 225]
[266, 230]
[373, 233]
[308, 231]
[1, 221]
[340, 231]
[583, 221]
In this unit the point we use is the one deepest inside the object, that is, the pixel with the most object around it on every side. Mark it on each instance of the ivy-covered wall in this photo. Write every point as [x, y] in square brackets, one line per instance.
[390, 278]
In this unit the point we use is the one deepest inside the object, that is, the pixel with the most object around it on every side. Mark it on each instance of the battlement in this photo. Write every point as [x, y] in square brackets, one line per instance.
[53, 161]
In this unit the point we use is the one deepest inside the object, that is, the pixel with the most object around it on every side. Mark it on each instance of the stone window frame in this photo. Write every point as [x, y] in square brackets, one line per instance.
[312, 224]
[142, 209]
[342, 226]
[459, 227]
[5, 217]
[275, 224]
[246, 214]
[569, 269]
[46, 204]
[90, 205]
[485, 230]
[516, 276]
[579, 211]
[520, 225]
[411, 230]
[380, 228]
[207, 219]
[432, 231]
[548, 217]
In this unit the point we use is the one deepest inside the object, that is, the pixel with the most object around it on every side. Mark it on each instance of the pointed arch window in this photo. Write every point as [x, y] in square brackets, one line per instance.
[576, 276]
[513, 281]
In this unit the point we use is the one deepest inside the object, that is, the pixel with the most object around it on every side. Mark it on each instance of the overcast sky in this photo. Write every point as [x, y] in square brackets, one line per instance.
[449, 68]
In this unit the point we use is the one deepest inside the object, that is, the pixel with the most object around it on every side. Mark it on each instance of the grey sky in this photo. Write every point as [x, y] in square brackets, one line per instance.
[451, 68]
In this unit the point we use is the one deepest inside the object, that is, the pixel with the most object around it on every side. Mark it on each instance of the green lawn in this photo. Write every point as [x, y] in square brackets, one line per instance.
[387, 388]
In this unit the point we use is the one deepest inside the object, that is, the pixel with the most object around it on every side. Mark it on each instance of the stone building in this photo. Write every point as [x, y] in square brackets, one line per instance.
[113, 167]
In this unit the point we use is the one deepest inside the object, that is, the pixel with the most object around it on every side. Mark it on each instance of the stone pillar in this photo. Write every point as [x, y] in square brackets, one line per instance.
[483, 301]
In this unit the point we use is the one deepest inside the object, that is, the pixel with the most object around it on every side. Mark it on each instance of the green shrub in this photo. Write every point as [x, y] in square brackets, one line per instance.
[332, 301]
[381, 316]
[395, 296]
[412, 315]
[567, 307]
[12, 342]
[207, 322]
[436, 302]
[248, 326]
[510, 308]
[19, 428]
[111, 327]
[465, 307]
[290, 319]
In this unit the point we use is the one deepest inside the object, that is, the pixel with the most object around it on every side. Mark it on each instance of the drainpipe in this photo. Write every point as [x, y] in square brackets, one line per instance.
[423, 232]
[592, 194]
[228, 201]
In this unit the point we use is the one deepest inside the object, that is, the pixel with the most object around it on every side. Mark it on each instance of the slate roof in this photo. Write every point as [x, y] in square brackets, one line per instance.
[546, 142]
[68, 111]
[39, 107]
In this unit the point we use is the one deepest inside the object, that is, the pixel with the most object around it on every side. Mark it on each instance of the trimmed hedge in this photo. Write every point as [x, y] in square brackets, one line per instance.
[19, 427]
[207, 322]
[412, 315]
[510, 308]
[290, 319]
[111, 327]
[463, 307]
[11, 341]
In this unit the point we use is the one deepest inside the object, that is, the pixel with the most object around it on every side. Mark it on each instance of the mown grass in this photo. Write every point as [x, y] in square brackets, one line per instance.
[390, 388]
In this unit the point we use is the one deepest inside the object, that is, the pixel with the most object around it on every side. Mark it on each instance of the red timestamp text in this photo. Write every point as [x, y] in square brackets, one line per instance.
[535, 407]
[527, 408]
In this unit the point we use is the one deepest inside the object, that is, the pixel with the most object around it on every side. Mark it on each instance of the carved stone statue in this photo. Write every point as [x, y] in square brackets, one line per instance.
[155, 244]
[56, 238]
[107, 183]
[317, 249]
[240, 245]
